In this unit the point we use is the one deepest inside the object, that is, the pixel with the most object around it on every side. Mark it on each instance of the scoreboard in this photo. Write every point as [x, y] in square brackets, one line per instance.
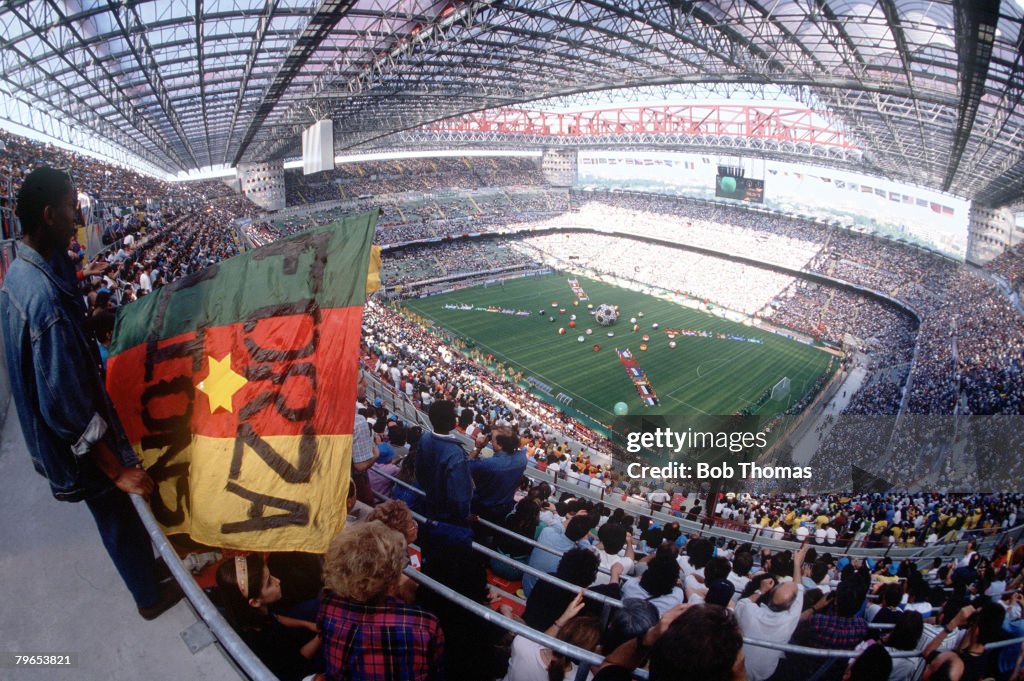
[739, 188]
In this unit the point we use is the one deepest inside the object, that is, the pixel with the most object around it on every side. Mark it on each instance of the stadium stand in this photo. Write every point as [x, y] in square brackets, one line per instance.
[667, 580]
[350, 181]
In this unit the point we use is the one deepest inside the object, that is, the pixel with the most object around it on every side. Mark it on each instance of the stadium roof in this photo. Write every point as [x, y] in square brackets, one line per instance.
[930, 90]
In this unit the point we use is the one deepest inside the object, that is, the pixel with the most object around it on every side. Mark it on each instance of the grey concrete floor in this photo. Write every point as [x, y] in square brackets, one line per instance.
[61, 593]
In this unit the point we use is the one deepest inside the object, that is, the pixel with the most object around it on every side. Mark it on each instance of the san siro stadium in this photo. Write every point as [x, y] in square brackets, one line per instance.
[517, 340]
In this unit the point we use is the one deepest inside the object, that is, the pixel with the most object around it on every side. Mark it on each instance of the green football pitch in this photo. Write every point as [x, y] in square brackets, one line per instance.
[699, 376]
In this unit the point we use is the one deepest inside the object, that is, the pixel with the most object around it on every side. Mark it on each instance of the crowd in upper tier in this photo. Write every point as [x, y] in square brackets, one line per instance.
[151, 231]
[352, 180]
[970, 342]
[689, 601]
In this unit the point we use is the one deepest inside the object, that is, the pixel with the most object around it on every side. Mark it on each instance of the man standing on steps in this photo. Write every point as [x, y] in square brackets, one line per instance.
[497, 477]
[658, 498]
[442, 468]
[72, 432]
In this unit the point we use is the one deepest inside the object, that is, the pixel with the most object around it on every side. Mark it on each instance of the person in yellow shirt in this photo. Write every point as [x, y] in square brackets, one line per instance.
[910, 536]
[798, 520]
[822, 520]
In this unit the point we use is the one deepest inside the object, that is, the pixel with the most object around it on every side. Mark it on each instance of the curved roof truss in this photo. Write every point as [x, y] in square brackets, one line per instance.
[930, 90]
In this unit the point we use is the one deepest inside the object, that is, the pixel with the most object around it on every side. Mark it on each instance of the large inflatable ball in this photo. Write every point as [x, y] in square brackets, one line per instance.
[646, 337]
[561, 332]
[611, 333]
[590, 331]
[581, 338]
[605, 315]
[597, 348]
[572, 317]
[554, 303]
[636, 327]
[575, 303]
[643, 346]
[572, 325]
[671, 344]
[654, 326]
[590, 306]
[551, 319]
[640, 315]
[632, 320]
[621, 409]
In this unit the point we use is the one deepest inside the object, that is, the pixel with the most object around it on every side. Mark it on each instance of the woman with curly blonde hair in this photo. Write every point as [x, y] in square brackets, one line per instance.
[368, 633]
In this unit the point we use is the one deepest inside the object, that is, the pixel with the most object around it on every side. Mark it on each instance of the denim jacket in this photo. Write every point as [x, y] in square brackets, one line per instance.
[442, 471]
[56, 380]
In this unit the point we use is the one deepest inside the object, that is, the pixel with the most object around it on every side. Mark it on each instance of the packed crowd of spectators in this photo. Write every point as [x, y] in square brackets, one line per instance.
[987, 336]
[903, 272]
[970, 341]
[695, 603]
[153, 232]
[415, 218]
[1010, 266]
[105, 182]
[425, 367]
[687, 602]
[415, 263]
[351, 180]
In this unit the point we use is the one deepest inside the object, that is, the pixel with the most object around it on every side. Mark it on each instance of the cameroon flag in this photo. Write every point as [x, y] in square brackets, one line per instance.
[236, 386]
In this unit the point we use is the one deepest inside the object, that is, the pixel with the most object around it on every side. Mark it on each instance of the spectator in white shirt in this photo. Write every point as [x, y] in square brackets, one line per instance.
[698, 553]
[717, 570]
[740, 574]
[145, 282]
[771, 616]
[531, 661]
[969, 553]
[616, 547]
[658, 498]
[831, 535]
[658, 583]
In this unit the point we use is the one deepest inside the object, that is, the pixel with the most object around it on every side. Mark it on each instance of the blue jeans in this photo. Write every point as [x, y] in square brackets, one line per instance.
[128, 544]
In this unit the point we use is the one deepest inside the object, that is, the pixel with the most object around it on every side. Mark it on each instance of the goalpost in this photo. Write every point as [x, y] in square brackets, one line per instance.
[780, 391]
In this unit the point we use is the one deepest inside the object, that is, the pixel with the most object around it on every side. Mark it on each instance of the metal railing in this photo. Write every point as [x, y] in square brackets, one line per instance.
[755, 538]
[232, 643]
[586, 657]
[407, 409]
[483, 521]
[528, 569]
[250, 664]
[508, 624]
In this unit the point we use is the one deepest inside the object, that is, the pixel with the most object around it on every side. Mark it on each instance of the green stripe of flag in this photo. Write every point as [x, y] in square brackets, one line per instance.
[316, 268]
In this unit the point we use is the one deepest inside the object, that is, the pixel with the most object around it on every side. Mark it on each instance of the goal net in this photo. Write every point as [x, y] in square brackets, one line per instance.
[780, 391]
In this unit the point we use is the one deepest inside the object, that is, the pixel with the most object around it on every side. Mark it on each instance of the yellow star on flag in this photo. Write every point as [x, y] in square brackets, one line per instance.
[221, 384]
